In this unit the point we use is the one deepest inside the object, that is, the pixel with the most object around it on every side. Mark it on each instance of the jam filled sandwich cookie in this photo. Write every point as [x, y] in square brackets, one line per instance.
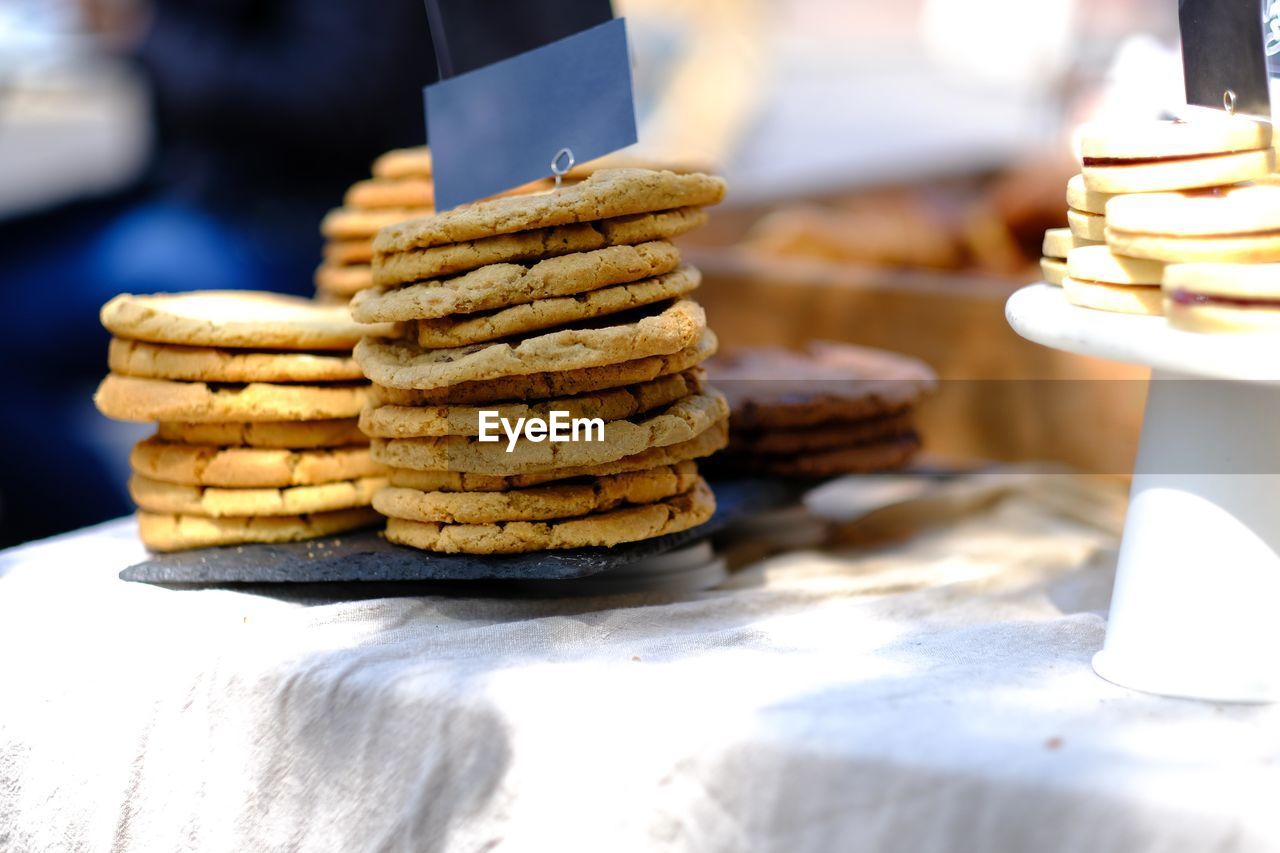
[1152, 156]
[1232, 225]
[1223, 297]
[1097, 278]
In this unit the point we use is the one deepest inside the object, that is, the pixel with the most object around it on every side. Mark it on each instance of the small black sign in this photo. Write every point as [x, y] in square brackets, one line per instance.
[502, 125]
[1223, 51]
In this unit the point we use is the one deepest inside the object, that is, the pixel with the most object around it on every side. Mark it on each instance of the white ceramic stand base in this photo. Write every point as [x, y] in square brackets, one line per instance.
[1196, 606]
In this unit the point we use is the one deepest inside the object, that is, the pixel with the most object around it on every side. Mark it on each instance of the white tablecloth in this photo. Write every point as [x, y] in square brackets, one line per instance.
[933, 694]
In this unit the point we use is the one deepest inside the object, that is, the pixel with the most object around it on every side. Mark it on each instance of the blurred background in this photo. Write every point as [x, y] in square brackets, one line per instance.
[892, 169]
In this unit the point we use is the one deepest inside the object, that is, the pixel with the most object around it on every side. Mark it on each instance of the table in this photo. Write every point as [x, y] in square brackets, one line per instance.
[929, 693]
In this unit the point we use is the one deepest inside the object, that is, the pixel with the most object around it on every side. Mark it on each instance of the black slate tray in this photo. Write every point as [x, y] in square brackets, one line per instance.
[366, 556]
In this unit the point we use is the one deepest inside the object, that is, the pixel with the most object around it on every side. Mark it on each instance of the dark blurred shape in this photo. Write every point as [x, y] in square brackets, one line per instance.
[265, 111]
[465, 40]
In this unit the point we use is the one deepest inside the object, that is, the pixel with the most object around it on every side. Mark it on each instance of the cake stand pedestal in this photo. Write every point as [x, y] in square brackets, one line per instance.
[1196, 606]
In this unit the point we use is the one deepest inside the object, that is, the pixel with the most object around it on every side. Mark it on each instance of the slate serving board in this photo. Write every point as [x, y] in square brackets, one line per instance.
[366, 556]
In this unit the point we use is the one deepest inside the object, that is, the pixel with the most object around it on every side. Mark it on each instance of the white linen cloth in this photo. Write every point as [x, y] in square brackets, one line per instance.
[932, 694]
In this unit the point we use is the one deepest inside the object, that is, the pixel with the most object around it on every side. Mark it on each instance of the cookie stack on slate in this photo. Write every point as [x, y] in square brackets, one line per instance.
[400, 189]
[1146, 189]
[830, 410]
[569, 301]
[257, 397]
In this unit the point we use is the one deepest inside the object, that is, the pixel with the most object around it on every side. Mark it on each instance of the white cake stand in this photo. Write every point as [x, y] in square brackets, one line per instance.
[1196, 606]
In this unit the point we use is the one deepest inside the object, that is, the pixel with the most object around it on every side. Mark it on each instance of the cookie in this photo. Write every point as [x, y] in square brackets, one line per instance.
[1085, 200]
[698, 447]
[540, 503]
[299, 435]
[391, 192]
[859, 459]
[610, 405]
[1118, 298]
[1223, 297]
[788, 442]
[1207, 133]
[1087, 226]
[349, 223]
[679, 422]
[1153, 156]
[1161, 175]
[540, 386]
[393, 269]
[604, 529]
[606, 194]
[462, 330]
[828, 382]
[404, 163]
[132, 398]
[235, 319]
[207, 364]
[1053, 270]
[503, 285]
[1100, 264]
[1059, 241]
[402, 364]
[249, 467]
[343, 281]
[343, 253]
[170, 532]
[172, 498]
[1232, 225]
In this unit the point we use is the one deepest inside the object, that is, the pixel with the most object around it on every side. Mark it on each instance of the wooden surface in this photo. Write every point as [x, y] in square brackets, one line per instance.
[1000, 396]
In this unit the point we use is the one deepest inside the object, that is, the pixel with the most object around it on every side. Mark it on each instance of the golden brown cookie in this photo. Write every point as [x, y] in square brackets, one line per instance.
[610, 404]
[463, 330]
[540, 503]
[233, 319]
[606, 194]
[552, 383]
[169, 532]
[679, 422]
[666, 330]
[604, 529]
[131, 398]
[392, 269]
[208, 364]
[342, 253]
[772, 388]
[404, 163]
[290, 435]
[348, 223]
[391, 192]
[700, 446]
[503, 285]
[249, 467]
[343, 281]
[161, 497]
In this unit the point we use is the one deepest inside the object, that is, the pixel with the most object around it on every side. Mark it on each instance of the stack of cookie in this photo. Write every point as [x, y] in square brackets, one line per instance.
[1132, 171]
[400, 189]
[567, 304]
[830, 410]
[257, 397]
